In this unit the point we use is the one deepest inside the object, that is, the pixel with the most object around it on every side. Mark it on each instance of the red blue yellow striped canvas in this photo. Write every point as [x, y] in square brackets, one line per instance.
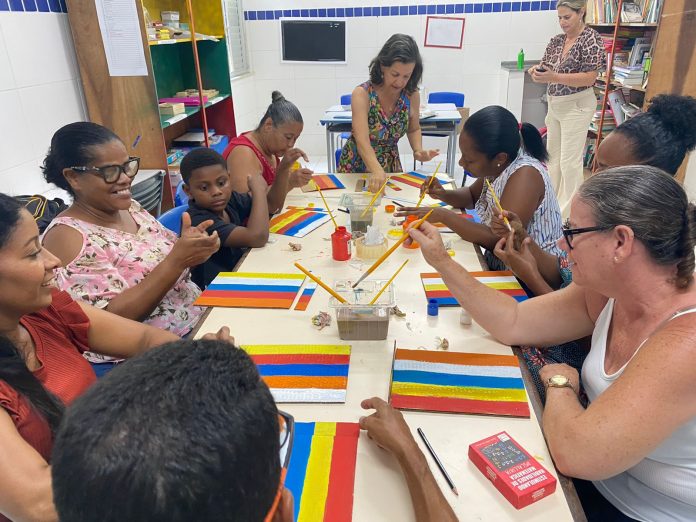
[303, 372]
[502, 280]
[251, 290]
[458, 383]
[321, 474]
[297, 222]
[324, 182]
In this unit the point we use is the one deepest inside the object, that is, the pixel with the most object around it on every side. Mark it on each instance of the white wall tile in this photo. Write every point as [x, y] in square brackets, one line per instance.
[267, 66]
[7, 80]
[264, 88]
[263, 36]
[15, 137]
[362, 32]
[315, 92]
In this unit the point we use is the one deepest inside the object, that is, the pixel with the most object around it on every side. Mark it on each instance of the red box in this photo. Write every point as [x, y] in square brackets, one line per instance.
[513, 471]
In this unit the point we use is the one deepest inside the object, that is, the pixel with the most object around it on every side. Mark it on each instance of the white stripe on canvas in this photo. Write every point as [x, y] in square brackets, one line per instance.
[308, 395]
[458, 369]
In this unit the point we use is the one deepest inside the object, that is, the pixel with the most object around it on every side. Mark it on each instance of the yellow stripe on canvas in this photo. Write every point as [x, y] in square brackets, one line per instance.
[255, 275]
[512, 285]
[459, 392]
[314, 349]
[292, 216]
[316, 483]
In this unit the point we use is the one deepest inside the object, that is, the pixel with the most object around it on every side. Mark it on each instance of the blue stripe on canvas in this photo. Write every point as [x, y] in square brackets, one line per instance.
[305, 223]
[312, 370]
[253, 287]
[301, 448]
[446, 379]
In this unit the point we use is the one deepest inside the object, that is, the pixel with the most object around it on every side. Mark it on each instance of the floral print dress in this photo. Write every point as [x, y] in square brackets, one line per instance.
[112, 261]
[385, 133]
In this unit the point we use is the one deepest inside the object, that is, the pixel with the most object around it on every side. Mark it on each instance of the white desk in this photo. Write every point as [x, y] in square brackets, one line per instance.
[444, 123]
[380, 491]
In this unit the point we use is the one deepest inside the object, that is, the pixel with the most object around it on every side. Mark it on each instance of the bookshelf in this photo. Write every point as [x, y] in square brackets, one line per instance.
[129, 104]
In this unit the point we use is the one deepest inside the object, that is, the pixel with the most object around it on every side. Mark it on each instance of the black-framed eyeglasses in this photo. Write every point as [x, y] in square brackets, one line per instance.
[111, 173]
[568, 232]
[287, 438]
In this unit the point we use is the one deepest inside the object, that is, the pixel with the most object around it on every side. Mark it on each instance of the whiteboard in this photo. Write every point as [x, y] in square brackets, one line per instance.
[441, 31]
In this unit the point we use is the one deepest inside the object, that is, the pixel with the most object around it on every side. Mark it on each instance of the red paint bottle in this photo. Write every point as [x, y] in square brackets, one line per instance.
[340, 244]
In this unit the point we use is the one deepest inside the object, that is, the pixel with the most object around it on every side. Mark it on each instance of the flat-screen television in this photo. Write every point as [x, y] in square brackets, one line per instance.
[313, 41]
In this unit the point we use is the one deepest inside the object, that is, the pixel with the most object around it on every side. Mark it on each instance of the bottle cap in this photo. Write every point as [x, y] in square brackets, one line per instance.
[389, 208]
[433, 307]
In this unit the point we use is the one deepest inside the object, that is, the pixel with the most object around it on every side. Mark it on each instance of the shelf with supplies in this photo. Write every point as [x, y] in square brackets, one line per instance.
[166, 120]
[171, 41]
[624, 24]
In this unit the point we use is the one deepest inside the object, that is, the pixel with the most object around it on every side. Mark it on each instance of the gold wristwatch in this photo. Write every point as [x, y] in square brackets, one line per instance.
[559, 381]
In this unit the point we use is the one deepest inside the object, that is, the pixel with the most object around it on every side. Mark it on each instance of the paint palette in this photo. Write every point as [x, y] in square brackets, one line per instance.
[311, 373]
[458, 383]
[251, 290]
[502, 280]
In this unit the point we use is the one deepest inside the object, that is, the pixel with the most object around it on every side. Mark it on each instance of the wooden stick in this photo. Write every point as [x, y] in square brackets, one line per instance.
[319, 282]
[497, 202]
[426, 188]
[381, 291]
[374, 198]
[391, 250]
[325, 204]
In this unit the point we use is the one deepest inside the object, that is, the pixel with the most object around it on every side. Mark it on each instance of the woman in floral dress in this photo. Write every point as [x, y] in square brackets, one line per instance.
[384, 109]
[114, 255]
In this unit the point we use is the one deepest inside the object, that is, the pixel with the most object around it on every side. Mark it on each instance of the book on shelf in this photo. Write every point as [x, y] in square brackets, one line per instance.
[636, 11]
[631, 13]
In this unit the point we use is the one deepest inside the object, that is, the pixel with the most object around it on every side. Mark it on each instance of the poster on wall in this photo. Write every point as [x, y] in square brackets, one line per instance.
[444, 31]
[123, 44]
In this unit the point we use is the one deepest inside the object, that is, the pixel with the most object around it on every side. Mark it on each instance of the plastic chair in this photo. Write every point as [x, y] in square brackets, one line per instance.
[457, 98]
[344, 136]
[180, 197]
[171, 219]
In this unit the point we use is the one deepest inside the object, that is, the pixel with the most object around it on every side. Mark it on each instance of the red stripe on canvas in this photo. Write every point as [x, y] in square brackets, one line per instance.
[453, 405]
[339, 498]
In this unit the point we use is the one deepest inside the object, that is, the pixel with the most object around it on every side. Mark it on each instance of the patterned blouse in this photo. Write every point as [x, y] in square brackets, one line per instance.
[545, 226]
[112, 260]
[385, 133]
[585, 55]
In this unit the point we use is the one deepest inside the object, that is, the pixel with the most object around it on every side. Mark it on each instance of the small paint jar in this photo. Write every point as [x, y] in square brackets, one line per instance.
[407, 223]
[389, 209]
[433, 307]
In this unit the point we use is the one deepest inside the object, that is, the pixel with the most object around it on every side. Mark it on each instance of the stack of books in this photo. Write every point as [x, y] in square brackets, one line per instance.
[635, 11]
[628, 76]
[608, 125]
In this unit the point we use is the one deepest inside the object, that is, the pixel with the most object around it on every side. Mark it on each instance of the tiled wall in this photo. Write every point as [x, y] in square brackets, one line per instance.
[39, 89]
[494, 32]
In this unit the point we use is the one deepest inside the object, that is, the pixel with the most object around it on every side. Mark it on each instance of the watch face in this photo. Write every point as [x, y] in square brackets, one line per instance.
[558, 380]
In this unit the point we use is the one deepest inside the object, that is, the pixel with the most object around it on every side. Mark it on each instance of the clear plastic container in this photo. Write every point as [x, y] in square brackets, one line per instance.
[357, 320]
[358, 204]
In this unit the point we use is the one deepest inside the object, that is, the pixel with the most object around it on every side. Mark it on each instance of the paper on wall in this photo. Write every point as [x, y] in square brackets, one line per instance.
[123, 44]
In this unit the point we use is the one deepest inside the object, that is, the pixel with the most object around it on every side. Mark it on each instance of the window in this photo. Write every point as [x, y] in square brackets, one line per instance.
[236, 38]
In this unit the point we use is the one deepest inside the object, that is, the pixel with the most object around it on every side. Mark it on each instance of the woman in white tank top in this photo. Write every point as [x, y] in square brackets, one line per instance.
[631, 244]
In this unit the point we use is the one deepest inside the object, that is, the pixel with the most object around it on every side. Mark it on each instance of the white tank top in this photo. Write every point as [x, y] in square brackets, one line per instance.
[662, 486]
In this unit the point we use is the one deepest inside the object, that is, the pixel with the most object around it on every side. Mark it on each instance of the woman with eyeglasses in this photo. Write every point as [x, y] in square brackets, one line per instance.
[631, 250]
[114, 255]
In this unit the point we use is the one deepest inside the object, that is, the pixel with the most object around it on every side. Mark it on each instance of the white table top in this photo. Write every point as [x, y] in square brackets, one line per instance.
[380, 491]
[443, 112]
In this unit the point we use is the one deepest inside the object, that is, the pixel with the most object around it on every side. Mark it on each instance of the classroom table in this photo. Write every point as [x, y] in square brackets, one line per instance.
[443, 123]
[380, 491]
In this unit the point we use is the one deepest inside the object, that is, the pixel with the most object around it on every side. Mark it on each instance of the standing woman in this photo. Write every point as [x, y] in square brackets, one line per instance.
[570, 67]
[384, 109]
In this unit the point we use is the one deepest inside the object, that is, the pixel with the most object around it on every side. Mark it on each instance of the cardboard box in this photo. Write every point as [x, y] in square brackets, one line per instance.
[513, 471]
[171, 109]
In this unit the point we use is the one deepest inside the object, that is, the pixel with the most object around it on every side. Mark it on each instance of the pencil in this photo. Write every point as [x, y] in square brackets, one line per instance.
[497, 202]
[437, 461]
[426, 188]
[325, 204]
[390, 251]
[320, 283]
[381, 291]
[397, 203]
[374, 198]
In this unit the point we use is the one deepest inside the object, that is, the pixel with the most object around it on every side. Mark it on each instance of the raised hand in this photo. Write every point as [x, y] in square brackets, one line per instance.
[425, 155]
[195, 245]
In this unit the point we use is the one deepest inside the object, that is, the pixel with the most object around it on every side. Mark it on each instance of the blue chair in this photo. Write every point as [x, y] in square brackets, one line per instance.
[443, 97]
[171, 219]
[343, 137]
[180, 197]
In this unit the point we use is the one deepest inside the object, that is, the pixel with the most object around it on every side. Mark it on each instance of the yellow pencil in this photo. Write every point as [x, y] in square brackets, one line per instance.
[381, 291]
[391, 250]
[326, 204]
[497, 202]
[426, 188]
[374, 198]
[319, 282]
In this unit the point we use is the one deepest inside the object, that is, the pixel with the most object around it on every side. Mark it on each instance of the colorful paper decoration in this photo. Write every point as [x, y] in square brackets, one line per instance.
[251, 290]
[325, 182]
[321, 474]
[303, 373]
[502, 280]
[305, 296]
[297, 222]
[458, 383]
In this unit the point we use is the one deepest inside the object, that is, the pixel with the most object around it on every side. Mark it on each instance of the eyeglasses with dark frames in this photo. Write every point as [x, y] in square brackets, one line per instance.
[111, 173]
[568, 232]
[287, 438]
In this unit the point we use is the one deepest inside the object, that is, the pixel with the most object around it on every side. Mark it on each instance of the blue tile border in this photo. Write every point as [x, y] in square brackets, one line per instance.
[33, 6]
[390, 10]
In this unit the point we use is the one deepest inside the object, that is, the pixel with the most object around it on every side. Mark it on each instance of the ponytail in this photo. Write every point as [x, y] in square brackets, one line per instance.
[687, 264]
[532, 142]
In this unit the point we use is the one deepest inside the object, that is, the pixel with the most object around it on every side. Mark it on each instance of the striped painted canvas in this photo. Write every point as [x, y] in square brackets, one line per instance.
[321, 474]
[297, 222]
[324, 182]
[413, 179]
[458, 383]
[502, 280]
[303, 373]
[305, 296]
[251, 290]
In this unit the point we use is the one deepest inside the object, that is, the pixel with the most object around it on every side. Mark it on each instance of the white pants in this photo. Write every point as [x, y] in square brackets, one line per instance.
[567, 122]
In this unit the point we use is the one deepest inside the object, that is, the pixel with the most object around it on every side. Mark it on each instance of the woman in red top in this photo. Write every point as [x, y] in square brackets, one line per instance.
[43, 333]
[261, 151]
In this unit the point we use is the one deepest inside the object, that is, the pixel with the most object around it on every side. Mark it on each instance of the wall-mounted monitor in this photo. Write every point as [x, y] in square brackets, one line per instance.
[312, 41]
